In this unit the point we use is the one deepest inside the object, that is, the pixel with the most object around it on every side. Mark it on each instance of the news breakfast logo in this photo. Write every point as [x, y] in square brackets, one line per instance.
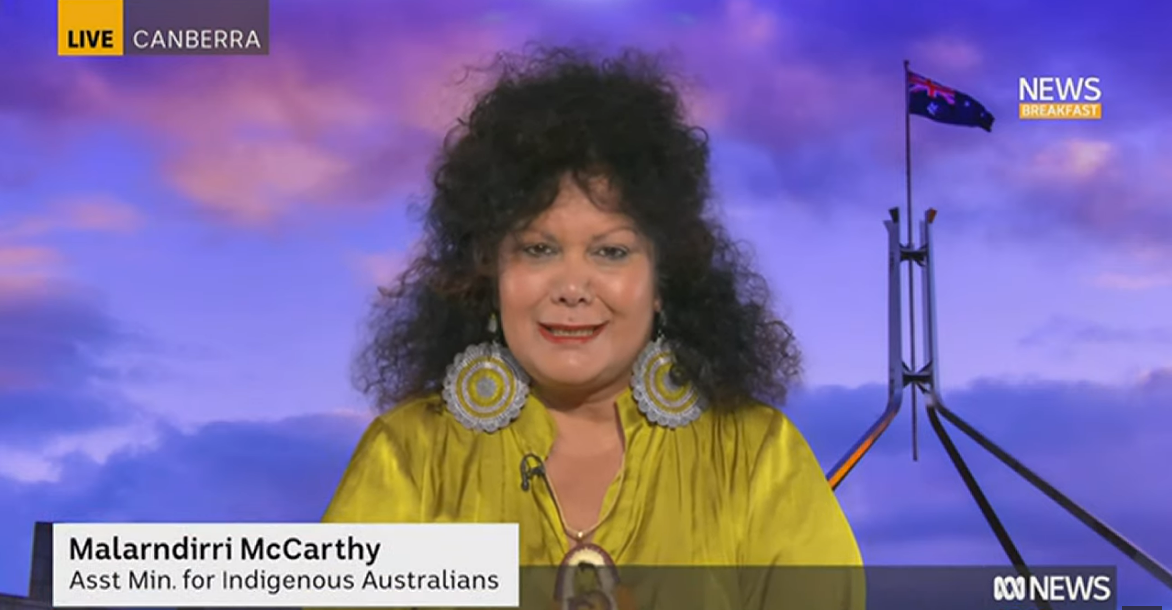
[1059, 98]
[1052, 588]
[162, 27]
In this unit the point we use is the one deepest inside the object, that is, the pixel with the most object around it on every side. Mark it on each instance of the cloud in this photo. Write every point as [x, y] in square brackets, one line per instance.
[22, 259]
[949, 54]
[1157, 379]
[1125, 281]
[347, 107]
[28, 264]
[1069, 161]
[231, 471]
[99, 214]
[54, 373]
[381, 269]
[778, 97]
[1065, 332]
[1098, 189]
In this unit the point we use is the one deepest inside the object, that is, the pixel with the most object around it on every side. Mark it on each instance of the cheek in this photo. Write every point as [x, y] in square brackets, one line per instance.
[519, 290]
[632, 294]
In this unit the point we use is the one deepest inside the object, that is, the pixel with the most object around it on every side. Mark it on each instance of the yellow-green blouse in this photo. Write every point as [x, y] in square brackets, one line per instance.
[729, 489]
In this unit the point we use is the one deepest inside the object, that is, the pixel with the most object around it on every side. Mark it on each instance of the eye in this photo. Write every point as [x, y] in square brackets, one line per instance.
[538, 250]
[613, 252]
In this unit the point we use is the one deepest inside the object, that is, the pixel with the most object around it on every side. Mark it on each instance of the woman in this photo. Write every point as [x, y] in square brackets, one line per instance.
[580, 349]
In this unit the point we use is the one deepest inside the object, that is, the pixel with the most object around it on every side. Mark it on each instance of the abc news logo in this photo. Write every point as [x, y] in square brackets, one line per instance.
[1052, 588]
[1059, 98]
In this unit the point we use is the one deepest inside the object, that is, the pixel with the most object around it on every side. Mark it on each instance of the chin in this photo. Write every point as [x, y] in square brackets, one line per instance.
[568, 376]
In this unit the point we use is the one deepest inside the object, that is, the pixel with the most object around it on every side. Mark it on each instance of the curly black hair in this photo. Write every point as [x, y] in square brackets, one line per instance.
[560, 112]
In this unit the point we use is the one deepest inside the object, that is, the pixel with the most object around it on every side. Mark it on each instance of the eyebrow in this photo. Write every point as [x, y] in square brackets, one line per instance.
[548, 236]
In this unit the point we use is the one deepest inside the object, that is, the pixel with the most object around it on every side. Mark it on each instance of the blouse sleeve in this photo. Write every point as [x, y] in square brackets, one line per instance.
[378, 485]
[798, 549]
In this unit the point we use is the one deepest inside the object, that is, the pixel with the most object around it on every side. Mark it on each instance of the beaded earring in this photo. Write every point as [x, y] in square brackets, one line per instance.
[659, 397]
[485, 388]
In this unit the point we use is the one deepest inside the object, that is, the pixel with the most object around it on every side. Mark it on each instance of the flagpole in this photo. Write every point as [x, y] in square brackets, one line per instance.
[911, 275]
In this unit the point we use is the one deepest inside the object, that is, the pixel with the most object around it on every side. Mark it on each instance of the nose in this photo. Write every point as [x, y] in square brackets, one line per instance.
[572, 285]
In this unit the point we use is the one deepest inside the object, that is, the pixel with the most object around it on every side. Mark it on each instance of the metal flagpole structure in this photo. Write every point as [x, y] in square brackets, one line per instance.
[896, 369]
[911, 278]
[926, 379]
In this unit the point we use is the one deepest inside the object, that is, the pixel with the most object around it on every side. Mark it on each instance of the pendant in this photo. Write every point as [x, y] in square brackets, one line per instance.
[588, 579]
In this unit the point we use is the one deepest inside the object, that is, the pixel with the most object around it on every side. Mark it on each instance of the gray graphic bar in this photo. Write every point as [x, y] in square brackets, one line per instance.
[196, 27]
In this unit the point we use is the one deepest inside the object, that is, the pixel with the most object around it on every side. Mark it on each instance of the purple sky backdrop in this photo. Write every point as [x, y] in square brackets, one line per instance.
[187, 246]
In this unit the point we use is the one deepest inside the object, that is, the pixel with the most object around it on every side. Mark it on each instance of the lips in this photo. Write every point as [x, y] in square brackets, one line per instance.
[571, 333]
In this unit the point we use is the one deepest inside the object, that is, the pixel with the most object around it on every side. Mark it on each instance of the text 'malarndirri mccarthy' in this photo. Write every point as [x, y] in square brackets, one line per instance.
[191, 548]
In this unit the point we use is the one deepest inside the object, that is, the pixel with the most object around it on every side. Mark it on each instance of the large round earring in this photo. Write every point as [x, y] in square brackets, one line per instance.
[485, 388]
[657, 394]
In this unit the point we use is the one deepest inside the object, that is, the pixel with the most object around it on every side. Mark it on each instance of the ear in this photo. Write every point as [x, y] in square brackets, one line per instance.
[658, 305]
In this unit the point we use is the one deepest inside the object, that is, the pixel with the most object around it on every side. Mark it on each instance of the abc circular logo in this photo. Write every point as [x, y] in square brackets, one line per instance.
[1009, 588]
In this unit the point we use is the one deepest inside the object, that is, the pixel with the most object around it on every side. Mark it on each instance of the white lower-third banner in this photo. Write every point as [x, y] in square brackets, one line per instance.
[153, 565]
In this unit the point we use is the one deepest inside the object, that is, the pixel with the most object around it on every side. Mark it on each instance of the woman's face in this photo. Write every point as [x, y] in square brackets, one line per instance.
[577, 295]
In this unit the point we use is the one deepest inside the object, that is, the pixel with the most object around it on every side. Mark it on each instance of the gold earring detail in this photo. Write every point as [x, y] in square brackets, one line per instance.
[657, 394]
[485, 388]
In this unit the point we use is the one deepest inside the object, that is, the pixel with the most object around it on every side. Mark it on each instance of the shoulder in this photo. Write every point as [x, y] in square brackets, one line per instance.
[412, 416]
[761, 431]
[759, 447]
[416, 427]
[772, 446]
[390, 468]
[788, 496]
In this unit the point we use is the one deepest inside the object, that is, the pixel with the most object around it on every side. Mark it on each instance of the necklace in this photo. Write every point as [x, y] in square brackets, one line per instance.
[579, 536]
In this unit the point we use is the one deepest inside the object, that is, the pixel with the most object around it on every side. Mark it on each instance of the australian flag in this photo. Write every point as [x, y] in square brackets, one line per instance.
[930, 99]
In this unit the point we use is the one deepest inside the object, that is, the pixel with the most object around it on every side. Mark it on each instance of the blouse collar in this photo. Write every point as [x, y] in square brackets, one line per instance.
[537, 430]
